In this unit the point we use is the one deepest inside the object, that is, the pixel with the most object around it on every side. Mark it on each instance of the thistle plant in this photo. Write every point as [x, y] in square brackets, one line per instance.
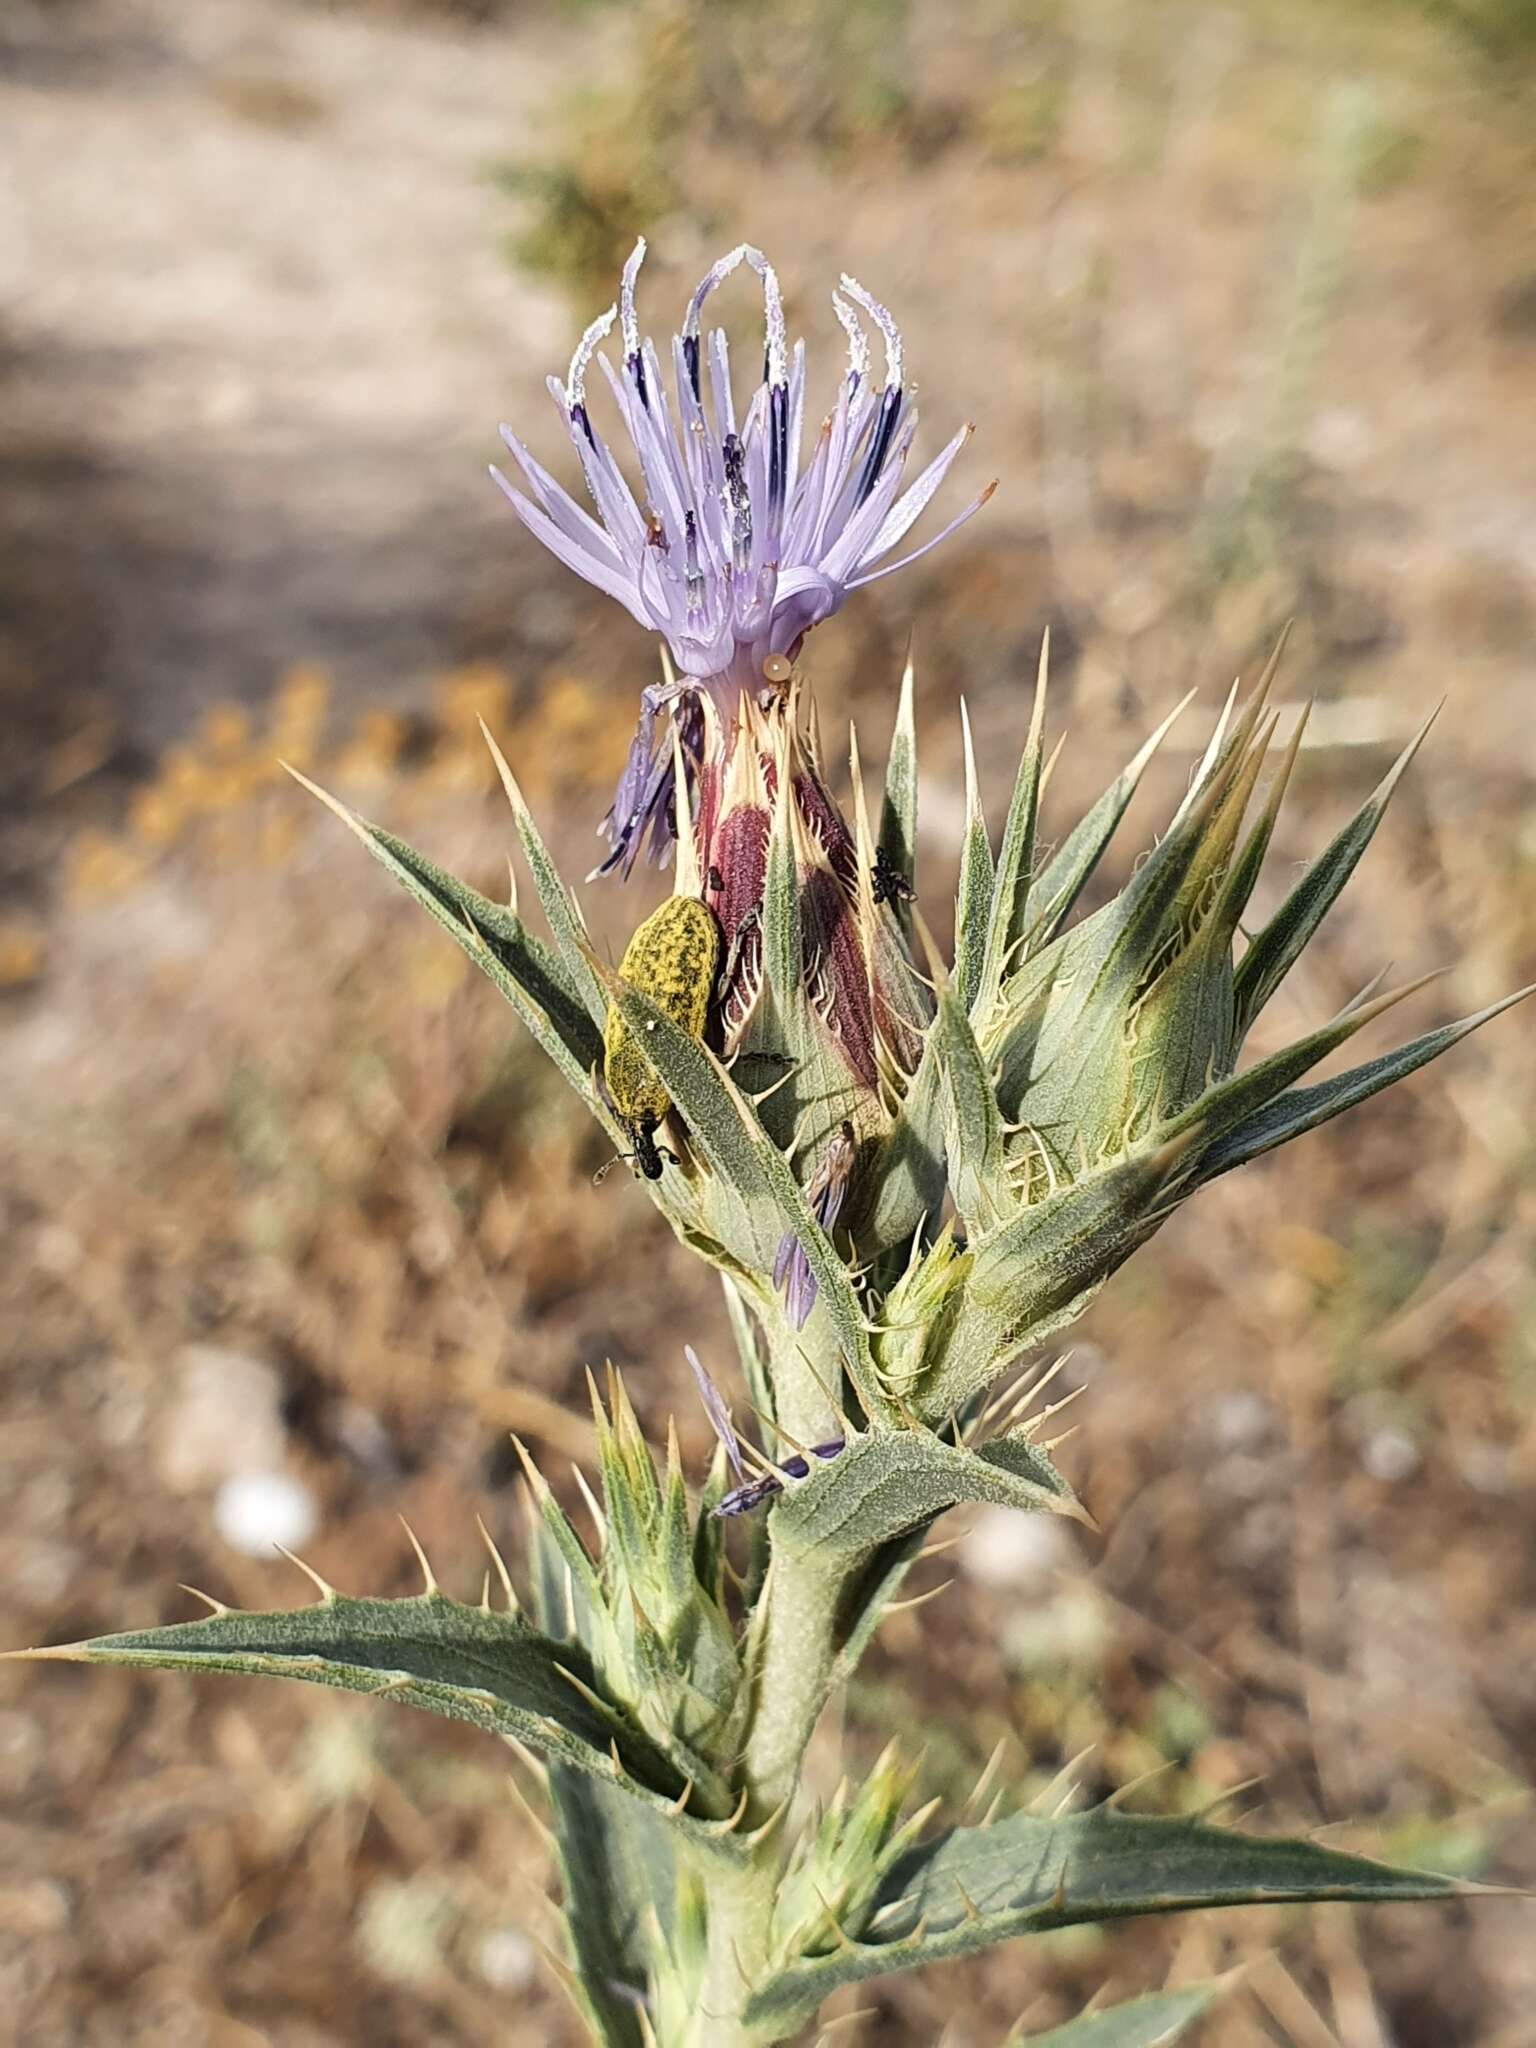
[909, 1173]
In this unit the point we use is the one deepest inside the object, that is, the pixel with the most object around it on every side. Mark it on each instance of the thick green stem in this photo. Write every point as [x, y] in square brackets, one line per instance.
[794, 1669]
[796, 1649]
[740, 1916]
[798, 1645]
[802, 1378]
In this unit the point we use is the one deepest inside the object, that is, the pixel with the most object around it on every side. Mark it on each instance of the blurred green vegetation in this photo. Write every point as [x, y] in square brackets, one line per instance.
[846, 80]
[1504, 30]
[861, 73]
[834, 76]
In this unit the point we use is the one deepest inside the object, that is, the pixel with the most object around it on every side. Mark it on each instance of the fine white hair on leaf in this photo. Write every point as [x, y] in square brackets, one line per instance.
[858, 340]
[886, 325]
[629, 324]
[586, 348]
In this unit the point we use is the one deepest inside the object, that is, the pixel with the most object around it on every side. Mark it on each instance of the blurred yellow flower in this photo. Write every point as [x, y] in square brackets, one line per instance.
[99, 866]
[21, 954]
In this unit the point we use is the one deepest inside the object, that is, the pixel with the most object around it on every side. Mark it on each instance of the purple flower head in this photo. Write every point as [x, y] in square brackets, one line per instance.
[726, 545]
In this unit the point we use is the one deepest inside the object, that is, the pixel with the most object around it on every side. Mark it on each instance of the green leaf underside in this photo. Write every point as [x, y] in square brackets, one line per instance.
[1151, 2022]
[876, 1586]
[616, 1865]
[974, 1887]
[531, 977]
[884, 1485]
[491, 1670]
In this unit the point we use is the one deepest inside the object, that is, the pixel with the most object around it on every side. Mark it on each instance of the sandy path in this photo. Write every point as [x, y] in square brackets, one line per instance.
[255, 330]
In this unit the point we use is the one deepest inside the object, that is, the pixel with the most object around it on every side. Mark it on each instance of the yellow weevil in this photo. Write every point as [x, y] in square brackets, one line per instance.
[672, 959]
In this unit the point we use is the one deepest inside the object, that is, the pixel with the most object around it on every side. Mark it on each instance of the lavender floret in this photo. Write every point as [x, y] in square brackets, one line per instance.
[728, 547]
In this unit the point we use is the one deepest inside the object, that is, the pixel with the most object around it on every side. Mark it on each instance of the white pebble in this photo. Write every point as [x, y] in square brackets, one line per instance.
[255, 1511]
[225, 1416]
[1006, 1548]
[1390, 1455]
[1241, 1420]
[507, 1960]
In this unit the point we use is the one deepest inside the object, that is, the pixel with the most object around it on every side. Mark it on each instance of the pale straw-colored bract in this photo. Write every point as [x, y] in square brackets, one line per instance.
[727, 547]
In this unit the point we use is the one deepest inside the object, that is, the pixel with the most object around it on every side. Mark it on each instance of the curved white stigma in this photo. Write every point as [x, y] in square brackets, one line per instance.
[886, 325]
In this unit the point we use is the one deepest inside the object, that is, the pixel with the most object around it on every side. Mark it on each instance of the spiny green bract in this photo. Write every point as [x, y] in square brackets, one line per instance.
[649, 1607]
[839, 1860]
[1073, 1082]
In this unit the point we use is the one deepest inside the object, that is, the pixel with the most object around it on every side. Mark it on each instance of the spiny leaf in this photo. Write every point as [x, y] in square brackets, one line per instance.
[973, 898]
[1278, 946]
[907, 1182]
[1236, 778]
[490, 1669]
[1239, 883]
[898, 809]
[1234, 1101]
[1152, 2022]
[1232, 734]
[973, 1887]
[1107, 1864]
[1303, 1109]
[976, 1162]
[534, 980]
[971, 1125]
[881, 1487]
[1058, 1037]
[1039, 1272]
[617, 1868]
[558, 904]
[1011, 887]
[1062, 879]
[567, 1586]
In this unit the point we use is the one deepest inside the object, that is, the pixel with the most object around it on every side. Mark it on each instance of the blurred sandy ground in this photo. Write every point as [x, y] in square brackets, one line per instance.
[1243, 302]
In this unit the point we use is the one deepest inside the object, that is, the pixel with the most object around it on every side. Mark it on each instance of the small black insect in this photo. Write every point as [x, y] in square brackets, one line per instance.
[890, 884]
[647, 1151]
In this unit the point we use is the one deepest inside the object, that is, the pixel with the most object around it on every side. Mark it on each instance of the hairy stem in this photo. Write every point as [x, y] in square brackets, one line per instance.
[740, 1915]
[794, 1666]
[798, 1644]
